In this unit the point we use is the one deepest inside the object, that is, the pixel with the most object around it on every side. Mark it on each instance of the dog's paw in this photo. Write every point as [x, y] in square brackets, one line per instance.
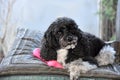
[74, 72]
[106, 56]
[76, 69]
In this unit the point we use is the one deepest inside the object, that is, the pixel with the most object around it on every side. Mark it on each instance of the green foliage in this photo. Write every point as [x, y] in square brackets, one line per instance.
[113, 38]
[108, 9]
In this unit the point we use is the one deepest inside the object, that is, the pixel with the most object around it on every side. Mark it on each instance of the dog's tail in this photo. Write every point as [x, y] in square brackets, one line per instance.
[106, 55]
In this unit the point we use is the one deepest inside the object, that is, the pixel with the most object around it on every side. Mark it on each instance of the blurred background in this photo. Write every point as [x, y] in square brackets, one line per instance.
[39, 14]
[96, 17]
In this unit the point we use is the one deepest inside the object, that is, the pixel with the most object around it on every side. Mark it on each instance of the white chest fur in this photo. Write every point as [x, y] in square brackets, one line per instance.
[62, 55]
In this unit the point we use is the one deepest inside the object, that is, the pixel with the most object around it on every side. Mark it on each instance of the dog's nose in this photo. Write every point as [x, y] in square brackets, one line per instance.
[70, 38]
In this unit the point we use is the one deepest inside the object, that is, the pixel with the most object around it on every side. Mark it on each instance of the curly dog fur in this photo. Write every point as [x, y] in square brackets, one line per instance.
[74, 49]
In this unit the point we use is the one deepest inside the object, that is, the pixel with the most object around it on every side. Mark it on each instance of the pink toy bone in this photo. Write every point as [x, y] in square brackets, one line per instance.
[52, 63]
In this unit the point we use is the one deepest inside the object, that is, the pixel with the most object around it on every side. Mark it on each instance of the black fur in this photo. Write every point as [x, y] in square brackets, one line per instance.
[88, 46]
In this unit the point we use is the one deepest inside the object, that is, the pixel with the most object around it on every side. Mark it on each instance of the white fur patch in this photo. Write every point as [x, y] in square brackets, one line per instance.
[62, 55]
[87, 66]
[72, 46]
[78, 66]
[106, 55]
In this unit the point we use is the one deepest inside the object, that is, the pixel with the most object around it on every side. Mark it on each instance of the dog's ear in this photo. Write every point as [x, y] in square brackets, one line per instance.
[50, 39]
[48, 49]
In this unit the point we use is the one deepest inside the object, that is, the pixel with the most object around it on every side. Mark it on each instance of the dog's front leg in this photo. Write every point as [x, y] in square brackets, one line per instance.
[77, 67]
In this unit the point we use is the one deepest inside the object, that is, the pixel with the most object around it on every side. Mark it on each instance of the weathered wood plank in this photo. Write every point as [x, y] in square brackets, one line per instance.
[118, 22]
[35, 69]
[44, 77]
[117, 45]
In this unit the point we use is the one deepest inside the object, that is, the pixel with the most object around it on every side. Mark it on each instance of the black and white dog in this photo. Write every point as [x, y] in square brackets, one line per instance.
[76, 50]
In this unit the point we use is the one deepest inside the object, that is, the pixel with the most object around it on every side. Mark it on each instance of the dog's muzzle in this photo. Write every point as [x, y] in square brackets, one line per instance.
[69, 42]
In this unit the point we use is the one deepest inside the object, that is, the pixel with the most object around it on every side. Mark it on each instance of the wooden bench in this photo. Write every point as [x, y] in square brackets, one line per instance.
[21, 65]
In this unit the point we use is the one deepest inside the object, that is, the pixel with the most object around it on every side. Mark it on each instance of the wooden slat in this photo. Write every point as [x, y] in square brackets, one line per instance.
[118, 22]
[35, 69]
[117, 44]
[44, 77]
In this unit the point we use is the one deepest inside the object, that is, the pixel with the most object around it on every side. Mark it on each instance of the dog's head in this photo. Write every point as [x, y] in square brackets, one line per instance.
[63, 33]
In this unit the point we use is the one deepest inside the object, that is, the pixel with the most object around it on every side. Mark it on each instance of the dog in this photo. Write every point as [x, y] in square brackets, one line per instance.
[76, 50]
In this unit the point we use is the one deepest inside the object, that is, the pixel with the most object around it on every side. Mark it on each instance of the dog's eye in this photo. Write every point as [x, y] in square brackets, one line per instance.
[59, 32]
